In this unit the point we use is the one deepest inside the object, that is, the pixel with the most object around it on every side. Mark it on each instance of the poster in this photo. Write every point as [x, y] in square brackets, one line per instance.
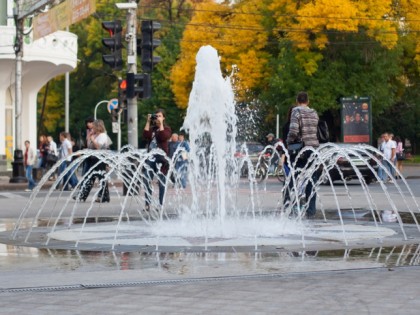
[356, 122]
[61, 16]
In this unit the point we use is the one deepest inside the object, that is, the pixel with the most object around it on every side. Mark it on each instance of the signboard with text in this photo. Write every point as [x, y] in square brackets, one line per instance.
[61, 16]
[356, 122]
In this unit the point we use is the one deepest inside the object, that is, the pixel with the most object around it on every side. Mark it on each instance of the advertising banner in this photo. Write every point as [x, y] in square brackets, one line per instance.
[61, 16]
[356, 122]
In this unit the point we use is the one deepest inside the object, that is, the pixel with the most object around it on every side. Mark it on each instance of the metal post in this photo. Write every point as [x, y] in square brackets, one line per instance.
[18, 167]
[131, 37]
[67, 99]
[119, 132]
[96, 107]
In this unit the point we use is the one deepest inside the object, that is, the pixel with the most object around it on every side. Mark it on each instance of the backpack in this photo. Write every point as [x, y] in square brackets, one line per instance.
[323, 134]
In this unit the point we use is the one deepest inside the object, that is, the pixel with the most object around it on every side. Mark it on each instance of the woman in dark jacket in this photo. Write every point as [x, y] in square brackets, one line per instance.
[157, 135]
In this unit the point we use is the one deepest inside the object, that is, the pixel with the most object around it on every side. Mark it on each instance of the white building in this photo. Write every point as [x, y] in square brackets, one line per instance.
[43, 59]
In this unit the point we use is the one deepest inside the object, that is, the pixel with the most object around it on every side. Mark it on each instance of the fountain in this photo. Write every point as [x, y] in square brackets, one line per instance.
[219, 211]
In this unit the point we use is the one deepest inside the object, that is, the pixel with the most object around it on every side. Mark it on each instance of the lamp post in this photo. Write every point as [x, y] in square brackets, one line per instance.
[96, 107]
[18, 175]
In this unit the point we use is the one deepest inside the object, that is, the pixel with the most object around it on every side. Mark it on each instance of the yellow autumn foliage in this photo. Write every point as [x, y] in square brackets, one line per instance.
[307, 23]
[238, 37]
[237, 32]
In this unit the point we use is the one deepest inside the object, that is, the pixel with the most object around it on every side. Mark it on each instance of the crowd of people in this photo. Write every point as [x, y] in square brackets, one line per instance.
[48, 153]
[168, 148]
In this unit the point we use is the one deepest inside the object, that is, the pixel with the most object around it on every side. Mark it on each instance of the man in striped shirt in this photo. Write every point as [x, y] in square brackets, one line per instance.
[304, 126]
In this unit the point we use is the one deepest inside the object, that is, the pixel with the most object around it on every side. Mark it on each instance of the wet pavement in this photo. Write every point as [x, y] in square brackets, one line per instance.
[377, 280]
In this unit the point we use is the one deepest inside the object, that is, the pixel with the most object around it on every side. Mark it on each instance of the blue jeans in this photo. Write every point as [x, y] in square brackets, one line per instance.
[300, 164]
[181, 170]
[149, 172]
[386, 165]
[72, 181]
[31, 182]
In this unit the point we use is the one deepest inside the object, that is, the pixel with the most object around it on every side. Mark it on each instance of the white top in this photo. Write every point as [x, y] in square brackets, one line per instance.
[53, 147]
[387, 147]
[66, 148]
[102, 140]
[31, 157]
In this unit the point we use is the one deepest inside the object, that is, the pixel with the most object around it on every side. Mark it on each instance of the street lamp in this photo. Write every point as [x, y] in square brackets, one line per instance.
[18, 175]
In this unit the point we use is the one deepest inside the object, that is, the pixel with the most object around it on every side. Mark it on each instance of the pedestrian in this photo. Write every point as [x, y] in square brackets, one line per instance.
[52, 156]
[66, 149]
[274, 156]
[157, 134]
[303, 130]
[394, 161]
[388, 147]
[52, 146]
[181, 164]
[29, 161]
[173, 145]
[89, 131]
[98, 140]
[399, 152]
[43, 152]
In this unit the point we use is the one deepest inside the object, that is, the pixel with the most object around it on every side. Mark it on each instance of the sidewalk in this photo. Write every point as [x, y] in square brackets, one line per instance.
[410, 171]
[364, 291]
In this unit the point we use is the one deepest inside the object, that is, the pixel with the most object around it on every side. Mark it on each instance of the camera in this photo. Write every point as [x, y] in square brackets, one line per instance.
[153, 119]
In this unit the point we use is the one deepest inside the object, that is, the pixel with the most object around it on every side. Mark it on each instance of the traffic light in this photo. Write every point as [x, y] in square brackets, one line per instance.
[114, 43]
[122, 93]
[139, 84]
[148, 44]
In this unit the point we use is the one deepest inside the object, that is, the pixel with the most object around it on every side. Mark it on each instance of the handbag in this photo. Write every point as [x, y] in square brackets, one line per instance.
[52, 159]
[322, 133]
[401, 156]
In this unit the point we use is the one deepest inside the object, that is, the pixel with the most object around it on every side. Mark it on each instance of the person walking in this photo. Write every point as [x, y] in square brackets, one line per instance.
[66, 149]
[52, 156]
[173, 144]
[181, 164]
[388, 147]
[98, 140]
[29, 161]
[157, 134]
[89, 131]
[43, 152]
[303, 128]
[399, 152]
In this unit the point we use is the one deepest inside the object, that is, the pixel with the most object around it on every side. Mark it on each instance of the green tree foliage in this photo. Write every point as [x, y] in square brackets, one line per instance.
[274, 48]
[329, 48]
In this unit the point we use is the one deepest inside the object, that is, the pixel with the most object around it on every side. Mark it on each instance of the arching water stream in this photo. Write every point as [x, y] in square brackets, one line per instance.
[219, 210]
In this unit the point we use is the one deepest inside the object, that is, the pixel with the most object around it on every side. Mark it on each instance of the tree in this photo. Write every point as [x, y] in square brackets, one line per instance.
[238, 36]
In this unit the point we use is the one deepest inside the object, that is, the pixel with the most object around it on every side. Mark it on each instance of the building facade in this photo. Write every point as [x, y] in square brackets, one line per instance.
[43, 59]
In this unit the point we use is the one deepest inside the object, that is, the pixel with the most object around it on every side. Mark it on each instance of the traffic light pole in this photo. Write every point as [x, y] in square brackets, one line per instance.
[131, 37]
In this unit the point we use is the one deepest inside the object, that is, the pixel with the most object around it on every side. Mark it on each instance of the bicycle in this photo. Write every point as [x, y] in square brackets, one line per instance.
[262, 170]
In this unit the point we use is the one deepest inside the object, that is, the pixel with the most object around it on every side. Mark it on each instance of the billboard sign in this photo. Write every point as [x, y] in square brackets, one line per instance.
[61, 16]
[356, 122]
